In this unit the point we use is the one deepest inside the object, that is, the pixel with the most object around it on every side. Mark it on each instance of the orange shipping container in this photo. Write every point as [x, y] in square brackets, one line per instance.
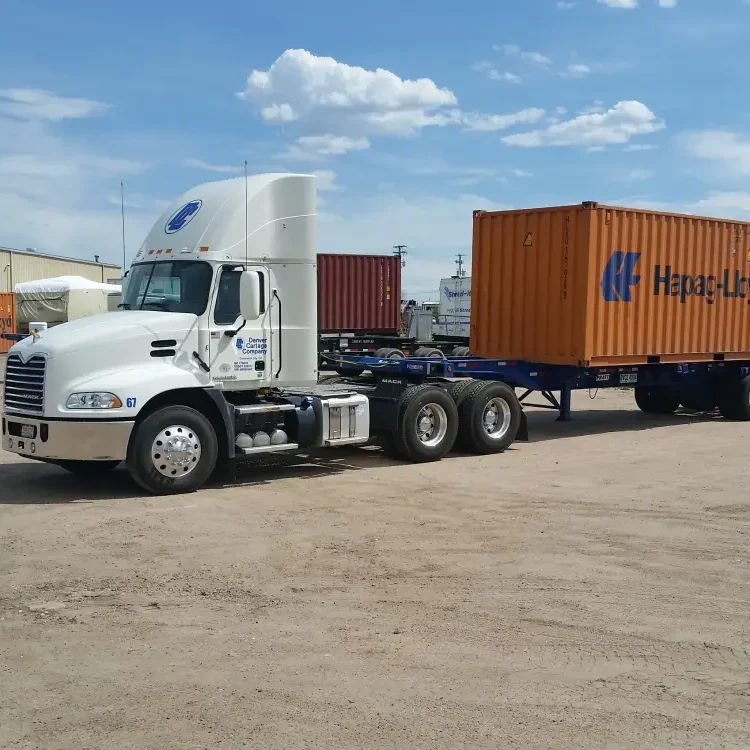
[599, 285]
[7, 319]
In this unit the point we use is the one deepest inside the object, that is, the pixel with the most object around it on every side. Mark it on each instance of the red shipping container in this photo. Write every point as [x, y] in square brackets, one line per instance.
[7, 319]
[359, 293]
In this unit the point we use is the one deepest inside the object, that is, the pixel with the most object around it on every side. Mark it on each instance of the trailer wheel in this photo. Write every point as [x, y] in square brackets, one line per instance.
[734, 401]
[489, 418]
[173, 450]
[461, 351]
[427, 424]
[657, 399]
[428, 352]
[389, 353]
[698, 399]
[351, 372]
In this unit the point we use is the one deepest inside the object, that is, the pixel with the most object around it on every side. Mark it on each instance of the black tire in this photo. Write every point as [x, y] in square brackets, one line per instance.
[657, 399]
[332, 379]
[389, 353]
[407, 443]
[698, 399]
[141, 465]
[458, 390]
[461, 351]
[473, 434]
[734, 399]
[428, 352]
[351, 373]
[88, 468]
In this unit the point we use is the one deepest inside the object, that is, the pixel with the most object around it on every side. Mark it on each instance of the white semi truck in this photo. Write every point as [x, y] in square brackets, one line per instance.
[213, 357]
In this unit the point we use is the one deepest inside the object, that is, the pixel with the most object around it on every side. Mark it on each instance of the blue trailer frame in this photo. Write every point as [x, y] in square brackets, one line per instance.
[548, 379]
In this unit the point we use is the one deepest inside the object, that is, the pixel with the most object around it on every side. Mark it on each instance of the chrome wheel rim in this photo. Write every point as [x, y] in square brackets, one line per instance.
[176, 451]
[496, 418]
[432, 425]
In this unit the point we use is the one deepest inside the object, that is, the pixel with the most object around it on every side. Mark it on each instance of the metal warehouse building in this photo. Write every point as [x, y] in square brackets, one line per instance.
[28, 265]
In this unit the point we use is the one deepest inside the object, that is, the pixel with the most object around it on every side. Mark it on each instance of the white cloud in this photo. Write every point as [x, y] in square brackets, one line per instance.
[731, 204]
[316, 147]
[640, 147]
[637, 175]
[615, 126]
[494, 74]
[531, 57]
[209, 167]
[596, 108]
[486, 123]
[667, 3]
[521, 173]
[565, 5]
[626, 4]
[331, 96]
[37, 104]
[325, 180]
[279, 113]
[723, 147]
[578, 70]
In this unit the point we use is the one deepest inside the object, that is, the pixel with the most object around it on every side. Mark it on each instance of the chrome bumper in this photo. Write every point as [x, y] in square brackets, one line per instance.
[73, 441]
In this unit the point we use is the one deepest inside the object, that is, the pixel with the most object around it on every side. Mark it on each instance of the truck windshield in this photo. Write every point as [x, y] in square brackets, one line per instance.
[179, 286]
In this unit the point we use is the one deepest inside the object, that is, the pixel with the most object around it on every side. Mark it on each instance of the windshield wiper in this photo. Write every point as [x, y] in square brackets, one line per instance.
[124, 305]
[158, 304]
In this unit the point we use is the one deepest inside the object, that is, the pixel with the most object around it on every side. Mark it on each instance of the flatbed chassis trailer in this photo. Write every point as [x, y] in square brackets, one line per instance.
[660, 388]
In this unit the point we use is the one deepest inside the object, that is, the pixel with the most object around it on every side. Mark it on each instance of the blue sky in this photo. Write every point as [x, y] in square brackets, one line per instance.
[412, 113]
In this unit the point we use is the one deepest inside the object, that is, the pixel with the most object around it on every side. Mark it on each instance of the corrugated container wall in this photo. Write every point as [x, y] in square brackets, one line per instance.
[17, 266]
[7, 319]
[599, 285]
[359, 293]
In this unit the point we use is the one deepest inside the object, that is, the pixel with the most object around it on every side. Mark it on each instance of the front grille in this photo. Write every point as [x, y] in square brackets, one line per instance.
[24, 384]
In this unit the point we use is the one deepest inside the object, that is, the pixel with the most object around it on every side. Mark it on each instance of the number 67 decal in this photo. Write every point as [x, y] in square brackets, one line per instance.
[130, 402]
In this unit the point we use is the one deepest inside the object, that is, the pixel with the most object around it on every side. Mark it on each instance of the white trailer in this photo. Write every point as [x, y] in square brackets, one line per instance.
[454, 311]
[213, 357]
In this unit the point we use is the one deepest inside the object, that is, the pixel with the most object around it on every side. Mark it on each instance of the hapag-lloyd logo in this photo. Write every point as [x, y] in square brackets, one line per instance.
[619, 280]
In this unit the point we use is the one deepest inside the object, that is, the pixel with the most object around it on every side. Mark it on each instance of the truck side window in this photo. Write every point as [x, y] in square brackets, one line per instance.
[227, 308]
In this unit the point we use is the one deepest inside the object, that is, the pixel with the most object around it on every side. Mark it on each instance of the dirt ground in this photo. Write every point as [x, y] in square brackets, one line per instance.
[587, 589]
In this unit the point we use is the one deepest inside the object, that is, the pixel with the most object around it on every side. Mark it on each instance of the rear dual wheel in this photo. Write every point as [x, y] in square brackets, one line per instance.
[427, 425]
[657, 399]
[734, 399]
[489, 418]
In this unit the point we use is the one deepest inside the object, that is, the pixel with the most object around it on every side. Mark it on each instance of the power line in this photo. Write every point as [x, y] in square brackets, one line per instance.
[400, 252]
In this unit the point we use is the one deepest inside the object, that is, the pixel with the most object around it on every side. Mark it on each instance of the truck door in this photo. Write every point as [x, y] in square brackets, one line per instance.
[239, 353]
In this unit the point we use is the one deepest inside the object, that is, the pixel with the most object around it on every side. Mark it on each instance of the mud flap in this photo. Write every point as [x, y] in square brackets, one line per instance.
[523, 429]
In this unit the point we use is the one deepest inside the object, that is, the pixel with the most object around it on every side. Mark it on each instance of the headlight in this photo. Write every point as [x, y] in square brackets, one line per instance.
[93, 401]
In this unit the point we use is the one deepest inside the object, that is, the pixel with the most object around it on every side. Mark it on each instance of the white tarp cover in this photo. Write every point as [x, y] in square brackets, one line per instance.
[61, 284]
[61, 299]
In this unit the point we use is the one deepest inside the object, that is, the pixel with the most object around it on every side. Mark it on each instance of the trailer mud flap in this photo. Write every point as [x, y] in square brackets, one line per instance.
[523, 429]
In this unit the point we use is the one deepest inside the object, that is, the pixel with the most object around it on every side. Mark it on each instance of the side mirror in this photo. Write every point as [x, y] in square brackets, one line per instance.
[249, 295]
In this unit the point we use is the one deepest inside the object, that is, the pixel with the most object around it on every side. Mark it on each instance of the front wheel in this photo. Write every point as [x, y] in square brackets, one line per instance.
[88, 468]
[173, 450]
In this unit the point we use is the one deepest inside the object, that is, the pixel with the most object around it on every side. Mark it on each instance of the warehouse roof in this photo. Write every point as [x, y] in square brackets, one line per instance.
[57, 257]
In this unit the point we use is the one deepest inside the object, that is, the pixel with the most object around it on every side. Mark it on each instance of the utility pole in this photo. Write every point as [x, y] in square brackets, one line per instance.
[460, 265]
[400, 252]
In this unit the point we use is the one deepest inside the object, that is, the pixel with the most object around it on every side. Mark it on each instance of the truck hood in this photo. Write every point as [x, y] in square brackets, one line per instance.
[105, 330]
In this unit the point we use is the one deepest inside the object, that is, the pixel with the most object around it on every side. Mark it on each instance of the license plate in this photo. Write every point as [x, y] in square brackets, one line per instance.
[629, 377]
[28, 431]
